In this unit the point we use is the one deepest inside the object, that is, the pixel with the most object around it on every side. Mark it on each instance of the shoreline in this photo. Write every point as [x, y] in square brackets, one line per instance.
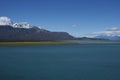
[95, 42]
[28, 43]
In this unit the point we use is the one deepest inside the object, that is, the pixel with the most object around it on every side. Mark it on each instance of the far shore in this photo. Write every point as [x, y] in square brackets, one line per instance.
[27, 43]
[95, 41]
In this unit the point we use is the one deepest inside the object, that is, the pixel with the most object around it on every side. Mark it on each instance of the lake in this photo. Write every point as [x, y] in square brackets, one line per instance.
[60, 62]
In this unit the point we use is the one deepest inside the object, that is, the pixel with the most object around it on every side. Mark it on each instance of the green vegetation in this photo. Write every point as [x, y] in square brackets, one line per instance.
[28, 43]
[34, 43]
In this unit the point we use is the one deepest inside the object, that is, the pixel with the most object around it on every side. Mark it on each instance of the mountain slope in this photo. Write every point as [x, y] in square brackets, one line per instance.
[9, 33]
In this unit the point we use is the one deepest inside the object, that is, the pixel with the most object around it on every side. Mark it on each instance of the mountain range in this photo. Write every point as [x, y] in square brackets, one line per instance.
[10, 31]
[108, 37]
[110, 33]
[22, 31]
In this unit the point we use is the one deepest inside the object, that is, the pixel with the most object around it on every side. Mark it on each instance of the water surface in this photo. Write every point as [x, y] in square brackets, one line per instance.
[60, 62]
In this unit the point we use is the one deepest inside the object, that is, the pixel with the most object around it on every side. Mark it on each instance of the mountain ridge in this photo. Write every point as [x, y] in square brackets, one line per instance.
[23, 31]
[108, 37]
[9, 33]
[5, 21]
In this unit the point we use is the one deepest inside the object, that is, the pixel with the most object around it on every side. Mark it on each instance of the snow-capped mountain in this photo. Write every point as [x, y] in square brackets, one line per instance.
[23, 31]
[7, 21]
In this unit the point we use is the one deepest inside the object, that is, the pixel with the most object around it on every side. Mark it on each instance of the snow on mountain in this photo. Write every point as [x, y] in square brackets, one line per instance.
[22, 25]
[7, 21]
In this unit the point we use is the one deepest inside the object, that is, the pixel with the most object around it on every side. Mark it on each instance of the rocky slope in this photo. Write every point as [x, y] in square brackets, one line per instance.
[24, 31]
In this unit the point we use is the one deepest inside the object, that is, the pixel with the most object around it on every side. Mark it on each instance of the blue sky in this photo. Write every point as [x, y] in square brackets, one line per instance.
[77, 17]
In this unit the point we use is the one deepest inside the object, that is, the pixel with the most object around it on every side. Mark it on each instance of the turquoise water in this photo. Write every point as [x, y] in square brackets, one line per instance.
[60, 62]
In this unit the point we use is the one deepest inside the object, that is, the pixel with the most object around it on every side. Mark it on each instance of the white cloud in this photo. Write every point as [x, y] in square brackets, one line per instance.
[113, 29]
[5, 21]
[74, 25]
[108, 32]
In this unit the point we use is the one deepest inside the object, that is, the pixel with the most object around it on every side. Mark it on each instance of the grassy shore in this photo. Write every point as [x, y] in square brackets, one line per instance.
[34, 43]
[95, 41]
[28, 43]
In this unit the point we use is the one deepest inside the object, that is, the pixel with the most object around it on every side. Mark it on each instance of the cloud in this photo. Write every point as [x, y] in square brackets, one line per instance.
[74, 25]
[114, 31]
[5, 20]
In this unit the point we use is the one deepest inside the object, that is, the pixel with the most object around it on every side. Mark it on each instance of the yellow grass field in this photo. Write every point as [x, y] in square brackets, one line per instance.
[34, 43]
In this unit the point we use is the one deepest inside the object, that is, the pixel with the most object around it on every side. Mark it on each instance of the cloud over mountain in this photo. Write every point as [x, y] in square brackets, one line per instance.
[114, 31]
[110, 33]
[5, 21]
[10, 31]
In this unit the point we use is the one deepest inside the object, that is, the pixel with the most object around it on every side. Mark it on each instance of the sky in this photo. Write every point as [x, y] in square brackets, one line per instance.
[77, 17]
